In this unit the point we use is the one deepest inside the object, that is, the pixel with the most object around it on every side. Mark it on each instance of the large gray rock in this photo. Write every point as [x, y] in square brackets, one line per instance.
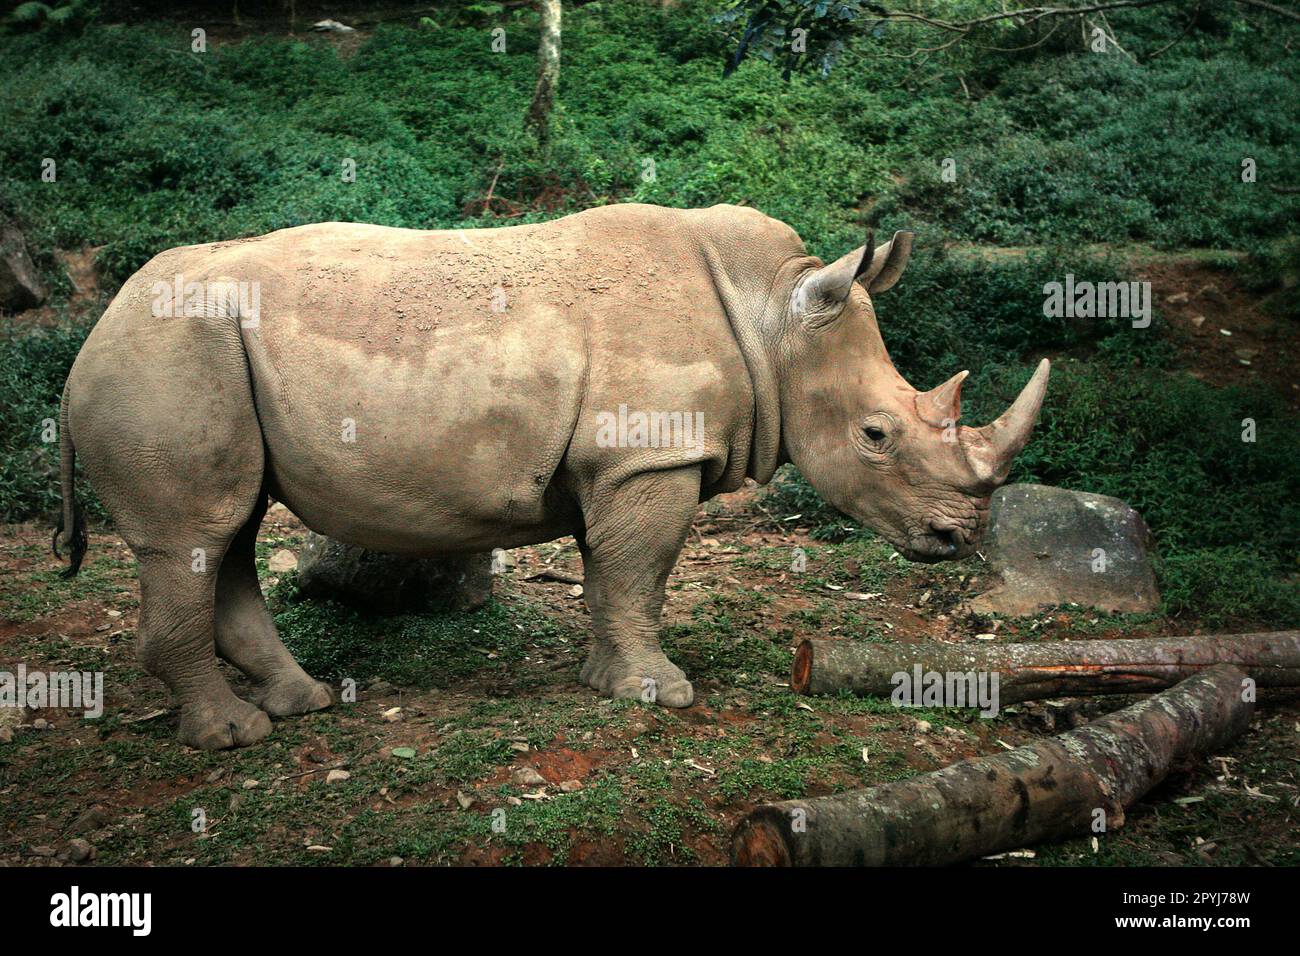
[391, 583]
[1049, 546]
[20, 286]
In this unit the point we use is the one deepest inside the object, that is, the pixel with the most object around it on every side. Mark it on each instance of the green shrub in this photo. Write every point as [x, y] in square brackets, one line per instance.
[33, 365]
[1224, 585]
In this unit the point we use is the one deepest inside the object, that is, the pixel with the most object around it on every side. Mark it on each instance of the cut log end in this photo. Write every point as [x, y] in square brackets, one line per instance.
[758, 842]
[801, 672]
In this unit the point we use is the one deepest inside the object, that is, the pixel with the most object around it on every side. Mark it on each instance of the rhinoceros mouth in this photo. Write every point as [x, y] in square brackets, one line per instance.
[932, 547]
[938, 544]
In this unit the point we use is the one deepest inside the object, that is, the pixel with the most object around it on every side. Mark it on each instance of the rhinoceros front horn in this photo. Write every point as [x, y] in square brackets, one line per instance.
[993, 448]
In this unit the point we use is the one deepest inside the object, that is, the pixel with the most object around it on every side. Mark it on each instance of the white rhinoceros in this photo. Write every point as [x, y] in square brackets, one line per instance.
[455, 391]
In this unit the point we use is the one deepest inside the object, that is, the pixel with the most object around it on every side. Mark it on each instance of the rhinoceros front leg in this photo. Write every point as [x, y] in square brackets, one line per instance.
[635, 530]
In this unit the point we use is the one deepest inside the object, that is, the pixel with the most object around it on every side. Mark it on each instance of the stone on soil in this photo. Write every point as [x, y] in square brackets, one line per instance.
[1049, 546]
[390, 583]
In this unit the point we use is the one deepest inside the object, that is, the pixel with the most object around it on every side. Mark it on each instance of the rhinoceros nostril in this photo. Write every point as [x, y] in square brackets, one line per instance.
[948, 537]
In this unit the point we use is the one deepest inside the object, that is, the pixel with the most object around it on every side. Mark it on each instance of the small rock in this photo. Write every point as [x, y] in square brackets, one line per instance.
[40, 723]
[571, 786]
[337, 776]
[391, 584]
[42, 851]
[1178, 298]
[464, 799]
[519, 746]
[393, 714]
[251, 784]
[395, 861]
[528, 777]
[318, 848]
[514, 801]
[282, 561]
[113, 613]
[79, 850]
[922, 726]
[1198, 321]
[93, 819]
[6, 735]
[575, 591]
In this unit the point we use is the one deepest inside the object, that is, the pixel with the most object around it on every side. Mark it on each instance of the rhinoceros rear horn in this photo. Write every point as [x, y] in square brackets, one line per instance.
[990, 450]
[818, 299]
[941, 406]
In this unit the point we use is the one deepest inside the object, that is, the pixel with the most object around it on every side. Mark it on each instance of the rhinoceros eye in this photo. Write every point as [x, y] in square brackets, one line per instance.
[874, 433]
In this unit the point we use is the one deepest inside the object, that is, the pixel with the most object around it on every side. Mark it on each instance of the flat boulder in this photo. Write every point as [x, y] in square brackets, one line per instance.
[390, 583]
[20, 286]
[1047, 546]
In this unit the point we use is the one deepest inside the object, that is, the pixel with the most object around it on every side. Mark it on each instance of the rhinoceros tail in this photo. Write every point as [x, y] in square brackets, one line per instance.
[71, 516]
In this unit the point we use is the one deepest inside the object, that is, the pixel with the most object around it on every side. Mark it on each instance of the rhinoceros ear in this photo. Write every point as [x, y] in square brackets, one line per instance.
[820, 297]
[888, 263]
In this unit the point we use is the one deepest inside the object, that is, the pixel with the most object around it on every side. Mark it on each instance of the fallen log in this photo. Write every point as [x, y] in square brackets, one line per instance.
[1048, 668]
[1054, 788]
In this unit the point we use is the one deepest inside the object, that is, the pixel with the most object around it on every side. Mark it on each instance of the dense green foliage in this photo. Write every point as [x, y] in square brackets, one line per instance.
[1057, 147]
[33, 366]
[158, 146]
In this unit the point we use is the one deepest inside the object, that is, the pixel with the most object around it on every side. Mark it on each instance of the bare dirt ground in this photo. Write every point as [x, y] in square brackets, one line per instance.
[472, 742]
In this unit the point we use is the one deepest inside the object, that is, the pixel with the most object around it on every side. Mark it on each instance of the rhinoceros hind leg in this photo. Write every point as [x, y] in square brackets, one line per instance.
[246, 634]
[165, 423]
[175, 645]
[634, 534]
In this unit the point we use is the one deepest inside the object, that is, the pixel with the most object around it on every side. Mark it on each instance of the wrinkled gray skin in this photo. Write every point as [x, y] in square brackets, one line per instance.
[440, 392]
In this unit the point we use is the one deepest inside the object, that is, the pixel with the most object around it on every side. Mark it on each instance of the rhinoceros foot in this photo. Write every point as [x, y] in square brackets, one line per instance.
[289, 694]
[226, 722]
[640, 674]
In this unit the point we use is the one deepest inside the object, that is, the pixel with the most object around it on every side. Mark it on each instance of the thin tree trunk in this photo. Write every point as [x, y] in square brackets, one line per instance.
[1059, 787]
[548, 70]
[1049, 668]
